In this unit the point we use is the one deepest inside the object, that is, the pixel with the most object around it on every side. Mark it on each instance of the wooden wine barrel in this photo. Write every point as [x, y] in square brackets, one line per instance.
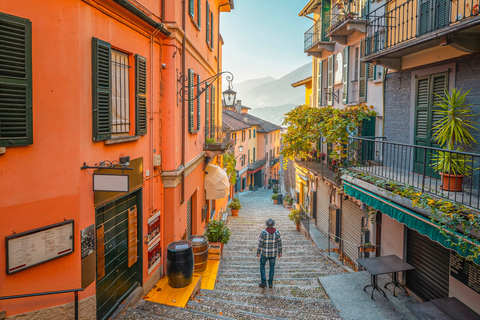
[200, 252]
[179, 263]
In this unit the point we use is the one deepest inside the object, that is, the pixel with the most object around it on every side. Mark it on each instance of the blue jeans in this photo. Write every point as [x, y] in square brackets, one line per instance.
[263, 261]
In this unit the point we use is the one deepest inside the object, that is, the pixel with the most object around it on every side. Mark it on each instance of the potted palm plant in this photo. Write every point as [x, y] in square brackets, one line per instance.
[452, 133]
[218, 234]
[275, 198]
[295, 217]
[234, 206]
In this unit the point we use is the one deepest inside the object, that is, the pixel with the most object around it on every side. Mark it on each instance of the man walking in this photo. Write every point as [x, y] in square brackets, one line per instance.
[269, 245]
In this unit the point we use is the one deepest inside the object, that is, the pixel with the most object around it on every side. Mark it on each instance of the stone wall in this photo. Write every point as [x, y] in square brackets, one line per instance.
[397, 107]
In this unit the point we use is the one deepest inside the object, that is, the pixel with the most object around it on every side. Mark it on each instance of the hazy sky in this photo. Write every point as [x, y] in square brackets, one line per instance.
[263, 38]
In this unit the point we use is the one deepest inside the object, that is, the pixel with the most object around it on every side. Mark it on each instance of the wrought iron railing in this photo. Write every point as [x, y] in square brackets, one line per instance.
[315, 34]
[432, 170]
[217, 138]
[274, 161]
[257, 164]
[346, 10]
[397, 22]
[75, 292]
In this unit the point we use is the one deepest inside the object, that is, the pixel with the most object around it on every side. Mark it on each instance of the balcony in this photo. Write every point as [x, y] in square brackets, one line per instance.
[274, 161]
[217, 138]
[414, 165]
[396, 29]
[315, 40]
[255, 166]
[346, 18]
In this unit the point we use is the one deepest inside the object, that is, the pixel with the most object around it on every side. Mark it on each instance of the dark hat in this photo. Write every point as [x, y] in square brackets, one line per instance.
[270, 223]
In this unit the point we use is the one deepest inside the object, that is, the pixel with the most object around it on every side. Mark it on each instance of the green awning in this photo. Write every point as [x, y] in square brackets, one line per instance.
[403, 215]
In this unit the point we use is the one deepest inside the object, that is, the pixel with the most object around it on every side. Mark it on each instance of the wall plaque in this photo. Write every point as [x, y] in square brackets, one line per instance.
[132, 236]
[33, 247]
[153, 228]
[465, 271]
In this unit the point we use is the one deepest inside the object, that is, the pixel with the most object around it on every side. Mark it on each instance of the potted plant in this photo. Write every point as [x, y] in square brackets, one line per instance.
[452, 133]
[322, 156]
[274, 198]
[218, 234]
[367, 247]
[275, 189]
[295, 217]
[234, 206]
[288, 201]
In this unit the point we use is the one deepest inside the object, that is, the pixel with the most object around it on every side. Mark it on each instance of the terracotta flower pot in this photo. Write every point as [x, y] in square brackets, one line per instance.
[298, 226]
[234, 212]
[367, 248]
[275, 201]
[451, 182]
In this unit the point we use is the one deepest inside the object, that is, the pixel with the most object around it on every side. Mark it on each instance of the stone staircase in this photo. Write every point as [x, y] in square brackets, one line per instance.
[296, 292]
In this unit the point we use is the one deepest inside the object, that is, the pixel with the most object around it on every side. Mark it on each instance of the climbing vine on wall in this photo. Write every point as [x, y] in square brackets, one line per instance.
[230, 162]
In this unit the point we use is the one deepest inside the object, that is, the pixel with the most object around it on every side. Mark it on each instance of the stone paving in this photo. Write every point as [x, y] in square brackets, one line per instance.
[296, 292]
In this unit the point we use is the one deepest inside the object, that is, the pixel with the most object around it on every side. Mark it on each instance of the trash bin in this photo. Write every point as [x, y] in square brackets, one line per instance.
[280, 199]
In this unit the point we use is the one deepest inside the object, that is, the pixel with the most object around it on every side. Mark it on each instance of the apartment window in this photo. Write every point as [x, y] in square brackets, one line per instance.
[193, 105]
[253, 154]
[111, 82]
[266, 139]
[249, 134]
[15, 81]
[211, 30]
[243, 135]
[271, 154]
[254, 133]
[320, 83]
[357, 57]
[207, 24]
[266, 156]
[248, 155]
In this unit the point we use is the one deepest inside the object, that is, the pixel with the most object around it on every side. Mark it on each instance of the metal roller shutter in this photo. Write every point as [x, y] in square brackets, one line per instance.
[323, 202]
[351, 229]
[429, 279]
[189, 217]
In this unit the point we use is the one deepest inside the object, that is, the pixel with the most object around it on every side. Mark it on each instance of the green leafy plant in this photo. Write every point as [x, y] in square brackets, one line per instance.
[210, 140]
[274, 196]
[235, 204]
[230, 162]
[289, 199]
[294, 215]
[275, 189]
[452, 163]
[217, 231]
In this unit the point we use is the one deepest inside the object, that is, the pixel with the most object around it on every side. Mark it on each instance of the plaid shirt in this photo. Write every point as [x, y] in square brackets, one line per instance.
[269, 244]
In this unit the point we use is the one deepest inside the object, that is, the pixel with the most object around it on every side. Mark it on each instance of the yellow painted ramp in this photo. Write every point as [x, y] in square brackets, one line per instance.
[178, 297]
[209, 275]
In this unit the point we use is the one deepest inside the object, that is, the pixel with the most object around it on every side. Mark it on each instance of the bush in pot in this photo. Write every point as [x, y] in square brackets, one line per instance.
[275, 189]
[275, 198]
[217, 233]
[234, 206]
[295, 217]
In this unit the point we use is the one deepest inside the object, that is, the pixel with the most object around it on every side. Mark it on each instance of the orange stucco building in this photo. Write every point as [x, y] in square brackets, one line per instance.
[85, 85]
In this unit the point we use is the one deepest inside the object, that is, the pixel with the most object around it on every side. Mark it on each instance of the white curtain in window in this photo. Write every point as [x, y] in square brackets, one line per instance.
[120, 93]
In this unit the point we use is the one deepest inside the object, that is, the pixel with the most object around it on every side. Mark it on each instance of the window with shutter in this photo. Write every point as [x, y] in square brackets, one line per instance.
[199, 13]
[207, 111]
[191, 8]
[101, 89]
[362, 82]
[364, 9]
[140, 95]
[211, 30]
[191, 115]
[198, 103]
[330, 80]
[346, 58]
[320, 83]
[213, 109]
[16, 123]
[207, 22]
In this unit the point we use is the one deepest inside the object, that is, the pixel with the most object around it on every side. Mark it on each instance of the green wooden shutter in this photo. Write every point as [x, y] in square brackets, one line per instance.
[424, 19]
[439, 84]
[211, 30]
[368, 130]
[101, 81]
[16, 123]
[207, 110]
[199, 13]
[191, 8]
[330, 80]
[213, 109]
[198, 103]
[441, 13]
[191, 116]
[362, 81]
[320, 83]
[140, 95]
[346, 58]
[207, 23]
[364, 9]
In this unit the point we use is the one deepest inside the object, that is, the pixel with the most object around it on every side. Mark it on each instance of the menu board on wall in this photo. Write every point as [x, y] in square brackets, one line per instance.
[33, 247]
[153, 228]
[154, 255]
[465, 271]
[132, 236]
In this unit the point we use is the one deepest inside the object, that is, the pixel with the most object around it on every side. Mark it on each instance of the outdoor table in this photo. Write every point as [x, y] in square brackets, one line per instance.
[383, 265]
[443, 309]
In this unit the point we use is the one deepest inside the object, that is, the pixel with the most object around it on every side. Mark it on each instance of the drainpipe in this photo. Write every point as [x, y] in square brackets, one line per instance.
[184, 105]
[152, 115]
[385, 71]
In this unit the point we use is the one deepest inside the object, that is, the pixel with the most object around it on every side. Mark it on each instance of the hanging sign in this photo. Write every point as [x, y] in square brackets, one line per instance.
[33, 247]
[110, 182]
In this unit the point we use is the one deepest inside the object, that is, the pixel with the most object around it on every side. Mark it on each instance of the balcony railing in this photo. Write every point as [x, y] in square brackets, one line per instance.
[274, 161]
[420, 167]
[396, 23]
[315, 34]
[342, 11]
[256, 165]
[217, 138]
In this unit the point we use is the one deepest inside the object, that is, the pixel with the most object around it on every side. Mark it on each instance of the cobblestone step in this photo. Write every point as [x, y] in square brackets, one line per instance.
[284, 259]
[144, 308]
[315, 306]
[296, 291]
[227, 310]
[280, 274]
[253, 307]
[276, 281]
[136, 314]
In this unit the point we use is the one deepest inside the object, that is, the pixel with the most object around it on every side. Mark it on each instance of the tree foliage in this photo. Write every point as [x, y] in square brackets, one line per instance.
[306, 125]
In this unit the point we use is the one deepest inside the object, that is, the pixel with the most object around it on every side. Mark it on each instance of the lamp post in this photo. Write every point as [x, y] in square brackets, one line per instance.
[187, 90]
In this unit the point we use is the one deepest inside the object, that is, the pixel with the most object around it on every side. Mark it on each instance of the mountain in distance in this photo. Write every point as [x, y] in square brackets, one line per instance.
[267, 92]
[272, 114]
